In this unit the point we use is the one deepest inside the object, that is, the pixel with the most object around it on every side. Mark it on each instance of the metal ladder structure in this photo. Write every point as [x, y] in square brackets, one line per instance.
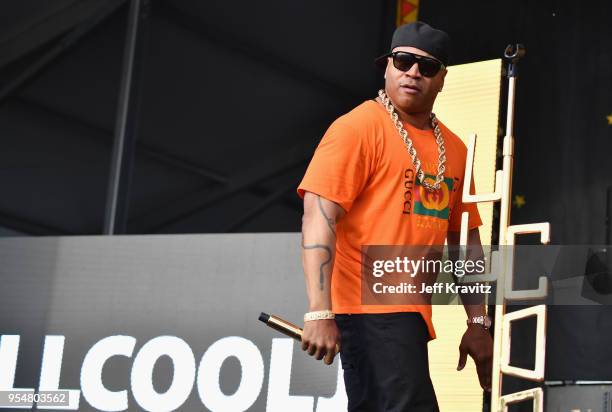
[502, 264]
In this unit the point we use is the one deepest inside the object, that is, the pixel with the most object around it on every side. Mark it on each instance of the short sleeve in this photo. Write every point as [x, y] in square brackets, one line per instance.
[454, 224]
[340, 166]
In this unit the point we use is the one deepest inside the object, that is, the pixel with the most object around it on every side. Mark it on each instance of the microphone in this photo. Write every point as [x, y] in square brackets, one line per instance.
[282, 326]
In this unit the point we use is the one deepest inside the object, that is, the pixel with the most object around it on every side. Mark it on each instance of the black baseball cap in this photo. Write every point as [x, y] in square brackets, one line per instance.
[422, 36]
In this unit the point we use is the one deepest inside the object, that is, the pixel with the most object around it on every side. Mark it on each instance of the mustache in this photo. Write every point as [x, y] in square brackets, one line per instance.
[412, 85]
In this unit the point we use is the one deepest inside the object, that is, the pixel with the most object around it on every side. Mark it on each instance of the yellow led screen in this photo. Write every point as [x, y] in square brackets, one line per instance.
[468, 104]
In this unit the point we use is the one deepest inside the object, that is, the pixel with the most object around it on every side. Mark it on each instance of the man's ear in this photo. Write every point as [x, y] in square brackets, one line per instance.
[443, 76]
[389, 62]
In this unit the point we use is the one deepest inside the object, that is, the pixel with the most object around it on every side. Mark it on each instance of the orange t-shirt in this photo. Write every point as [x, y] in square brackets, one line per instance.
[363, 165]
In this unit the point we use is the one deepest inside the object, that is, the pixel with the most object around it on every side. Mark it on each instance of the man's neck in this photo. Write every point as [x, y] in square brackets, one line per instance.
[419, 120]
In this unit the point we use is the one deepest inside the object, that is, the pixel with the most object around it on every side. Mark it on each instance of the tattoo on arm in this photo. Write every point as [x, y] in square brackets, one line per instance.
[330, 222]
[325, 263]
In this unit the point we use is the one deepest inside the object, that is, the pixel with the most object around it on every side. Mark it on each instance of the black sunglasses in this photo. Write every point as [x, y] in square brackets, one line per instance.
[404, 61]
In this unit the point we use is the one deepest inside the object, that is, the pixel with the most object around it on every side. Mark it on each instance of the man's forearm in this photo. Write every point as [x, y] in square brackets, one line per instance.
[317, 260]
[473, 303]
[318, 251]
[475, 310]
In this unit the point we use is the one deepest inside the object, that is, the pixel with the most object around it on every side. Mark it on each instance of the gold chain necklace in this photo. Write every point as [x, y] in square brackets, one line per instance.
[386, 102]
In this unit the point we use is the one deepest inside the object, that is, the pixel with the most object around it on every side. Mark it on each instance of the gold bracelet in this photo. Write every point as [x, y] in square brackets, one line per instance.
[319, 315]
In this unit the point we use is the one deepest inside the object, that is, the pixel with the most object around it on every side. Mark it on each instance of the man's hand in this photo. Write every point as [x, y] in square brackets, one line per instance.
[477, 342]
[321, 339]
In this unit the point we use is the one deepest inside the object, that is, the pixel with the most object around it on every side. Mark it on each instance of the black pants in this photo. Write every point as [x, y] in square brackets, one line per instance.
[385, 362]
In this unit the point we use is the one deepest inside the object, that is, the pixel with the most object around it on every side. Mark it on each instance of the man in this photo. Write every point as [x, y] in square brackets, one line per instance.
[376, 180]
